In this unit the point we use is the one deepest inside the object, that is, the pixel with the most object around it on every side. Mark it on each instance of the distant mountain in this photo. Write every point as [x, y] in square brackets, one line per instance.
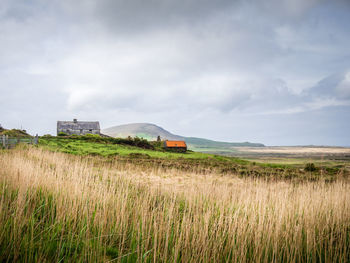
[145, 130]
[151, 132]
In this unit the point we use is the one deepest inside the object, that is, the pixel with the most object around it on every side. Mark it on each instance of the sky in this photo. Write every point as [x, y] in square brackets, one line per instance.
[274, 71]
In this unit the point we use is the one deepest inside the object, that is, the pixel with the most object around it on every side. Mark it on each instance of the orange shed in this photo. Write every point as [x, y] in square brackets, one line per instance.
[176, 145]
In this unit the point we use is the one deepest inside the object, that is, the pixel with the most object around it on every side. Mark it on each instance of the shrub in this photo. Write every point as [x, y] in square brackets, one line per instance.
[89, 135]
[139, 155]
[62, 134]
[310, 167]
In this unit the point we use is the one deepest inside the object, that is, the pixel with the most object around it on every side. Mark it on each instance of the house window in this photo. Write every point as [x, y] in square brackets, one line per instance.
[90, 130]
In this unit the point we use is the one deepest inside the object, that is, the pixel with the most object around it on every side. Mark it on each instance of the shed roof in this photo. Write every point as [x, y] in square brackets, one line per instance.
[85, 125]
[179, 144]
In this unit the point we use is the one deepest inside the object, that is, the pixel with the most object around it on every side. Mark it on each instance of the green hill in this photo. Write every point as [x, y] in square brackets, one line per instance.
[151, 132]
[145, 130]
[14, 133]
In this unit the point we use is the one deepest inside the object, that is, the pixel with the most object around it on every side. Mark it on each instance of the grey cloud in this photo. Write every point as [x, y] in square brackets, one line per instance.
[137, 15]
[245, 66]
[132, 17]
[334, 86]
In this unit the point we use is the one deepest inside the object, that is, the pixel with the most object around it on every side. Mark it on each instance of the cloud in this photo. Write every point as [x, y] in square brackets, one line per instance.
[343, 88]
[334, 86]
[136, 16]
[182, 64]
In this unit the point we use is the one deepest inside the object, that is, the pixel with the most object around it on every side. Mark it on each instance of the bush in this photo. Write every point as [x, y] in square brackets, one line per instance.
[310, 167]
[89, 135]
[142, 143]
[139, 155]
[138, 142]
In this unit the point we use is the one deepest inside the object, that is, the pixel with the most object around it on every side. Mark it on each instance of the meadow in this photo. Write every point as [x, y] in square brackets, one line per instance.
[95, 145]
[153, 155]
[60, 207]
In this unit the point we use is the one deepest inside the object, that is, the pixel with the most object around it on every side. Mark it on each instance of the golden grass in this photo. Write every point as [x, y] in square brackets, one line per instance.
[58, 207]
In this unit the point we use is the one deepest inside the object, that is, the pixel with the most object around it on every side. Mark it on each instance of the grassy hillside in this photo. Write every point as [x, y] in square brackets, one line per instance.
[146, 130]
[82, 145]
[151, 132]
[14, 133]
[58, 207]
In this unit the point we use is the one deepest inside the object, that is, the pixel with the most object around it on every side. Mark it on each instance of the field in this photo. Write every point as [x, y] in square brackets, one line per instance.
[298, 156]
[193, 161]
[84, 204]
[298, 150]
[91, 147]
[295, 156]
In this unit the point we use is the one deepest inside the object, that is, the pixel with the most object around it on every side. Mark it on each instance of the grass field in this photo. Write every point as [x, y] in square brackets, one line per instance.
[256, 166]
[82, 147]
[293, 156]
[58, 207]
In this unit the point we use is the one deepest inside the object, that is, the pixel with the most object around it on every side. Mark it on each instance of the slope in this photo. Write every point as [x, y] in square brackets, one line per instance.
[151, 131]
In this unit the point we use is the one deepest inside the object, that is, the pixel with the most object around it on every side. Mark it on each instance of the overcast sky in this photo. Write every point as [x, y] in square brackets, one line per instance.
[269, 71]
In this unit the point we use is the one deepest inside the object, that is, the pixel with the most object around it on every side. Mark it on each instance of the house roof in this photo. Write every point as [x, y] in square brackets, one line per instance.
[175, 144]
[85, 125]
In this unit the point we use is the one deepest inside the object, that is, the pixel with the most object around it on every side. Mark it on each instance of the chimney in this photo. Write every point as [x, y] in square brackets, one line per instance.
[75, 120]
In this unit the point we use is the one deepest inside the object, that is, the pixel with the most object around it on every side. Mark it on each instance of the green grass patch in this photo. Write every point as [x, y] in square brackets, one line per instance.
[103, 147]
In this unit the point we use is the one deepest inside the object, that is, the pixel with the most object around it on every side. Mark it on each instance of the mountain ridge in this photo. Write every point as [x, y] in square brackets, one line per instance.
[151, 131]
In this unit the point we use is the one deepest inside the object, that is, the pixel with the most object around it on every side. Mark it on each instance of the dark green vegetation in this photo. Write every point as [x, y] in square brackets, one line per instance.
[150, 132]
[150, 154]
[310, 167]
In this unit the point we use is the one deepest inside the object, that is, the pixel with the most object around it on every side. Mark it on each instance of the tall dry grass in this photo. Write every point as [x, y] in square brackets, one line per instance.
[62, 208]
